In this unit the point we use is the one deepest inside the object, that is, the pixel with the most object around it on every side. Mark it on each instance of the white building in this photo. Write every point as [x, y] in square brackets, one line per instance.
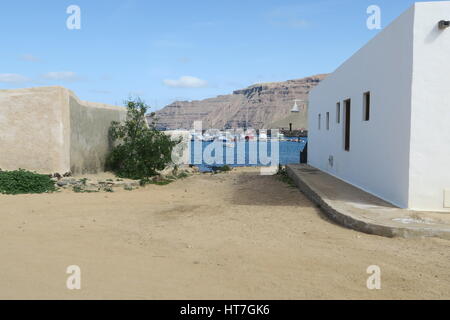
[381, 121]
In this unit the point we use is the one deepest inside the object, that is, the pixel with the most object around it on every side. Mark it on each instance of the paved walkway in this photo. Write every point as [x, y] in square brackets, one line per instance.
[361, 211]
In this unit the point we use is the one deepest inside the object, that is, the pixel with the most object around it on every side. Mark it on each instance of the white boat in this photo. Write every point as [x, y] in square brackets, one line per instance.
[262, 136]
[196, 137]
[207, 137]
[240, 137]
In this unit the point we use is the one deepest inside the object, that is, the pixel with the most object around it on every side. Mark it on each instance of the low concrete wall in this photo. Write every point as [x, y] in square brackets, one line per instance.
[50, 130]
[361, 211]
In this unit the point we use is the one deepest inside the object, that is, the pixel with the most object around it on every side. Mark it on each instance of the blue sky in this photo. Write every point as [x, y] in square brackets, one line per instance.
[178, 50]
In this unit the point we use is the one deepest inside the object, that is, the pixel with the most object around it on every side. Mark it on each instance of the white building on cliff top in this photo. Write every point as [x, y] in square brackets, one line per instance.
[381, 121]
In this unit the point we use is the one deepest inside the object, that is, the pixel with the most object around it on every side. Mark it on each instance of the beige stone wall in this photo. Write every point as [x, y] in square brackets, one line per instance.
[89, 140]
[50, 130]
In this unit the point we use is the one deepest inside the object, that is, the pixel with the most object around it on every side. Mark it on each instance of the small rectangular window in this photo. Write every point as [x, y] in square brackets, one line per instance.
[338, 112]
[367, 106]
[347, 118]
[328, 121]
[320, 120]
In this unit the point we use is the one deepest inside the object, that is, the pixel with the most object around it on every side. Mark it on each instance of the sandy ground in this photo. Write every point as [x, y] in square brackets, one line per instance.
[228, 236]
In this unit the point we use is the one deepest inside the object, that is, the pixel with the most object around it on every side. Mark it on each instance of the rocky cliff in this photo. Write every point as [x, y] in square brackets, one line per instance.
[258, 105]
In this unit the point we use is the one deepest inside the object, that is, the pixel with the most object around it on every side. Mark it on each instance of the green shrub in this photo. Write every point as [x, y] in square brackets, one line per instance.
[281, 170]
[108, 189]
[218, 169]
[128, 188]
[159, 182]
[225, 168]
[23, 182]
[80, 189]
[141, 150]
[284, 177]
[182, 175]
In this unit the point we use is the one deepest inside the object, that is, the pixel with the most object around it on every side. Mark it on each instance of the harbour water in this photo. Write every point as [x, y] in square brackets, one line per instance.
[247, 154]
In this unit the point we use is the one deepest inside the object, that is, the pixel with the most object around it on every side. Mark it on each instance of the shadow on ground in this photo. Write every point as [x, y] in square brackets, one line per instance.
[254, 189]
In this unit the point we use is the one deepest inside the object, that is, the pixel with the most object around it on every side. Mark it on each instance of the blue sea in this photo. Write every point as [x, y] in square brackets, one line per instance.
[235, 156]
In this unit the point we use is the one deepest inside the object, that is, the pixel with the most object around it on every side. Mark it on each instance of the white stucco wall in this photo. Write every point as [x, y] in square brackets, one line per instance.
[430, 136]
[402, 154]
[378, 160]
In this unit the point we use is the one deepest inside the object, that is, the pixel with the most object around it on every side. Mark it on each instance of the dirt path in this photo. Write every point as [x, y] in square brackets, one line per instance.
[228, 236]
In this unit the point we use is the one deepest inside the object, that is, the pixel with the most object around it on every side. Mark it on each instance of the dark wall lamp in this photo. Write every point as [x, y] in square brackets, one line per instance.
[443, 24]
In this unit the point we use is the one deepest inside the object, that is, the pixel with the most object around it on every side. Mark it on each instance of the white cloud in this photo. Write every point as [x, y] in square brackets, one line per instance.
[289, 16]
[101, 91]
[12, 78]
[68, 76]
[184, 60]
[297, 23]
[186, 82]
[171, 44]
[29, 58]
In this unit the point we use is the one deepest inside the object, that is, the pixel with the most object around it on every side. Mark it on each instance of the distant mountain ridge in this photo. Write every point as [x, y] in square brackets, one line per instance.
[258, 105]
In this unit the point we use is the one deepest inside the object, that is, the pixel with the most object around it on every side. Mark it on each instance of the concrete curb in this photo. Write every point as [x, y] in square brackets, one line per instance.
[360, 223]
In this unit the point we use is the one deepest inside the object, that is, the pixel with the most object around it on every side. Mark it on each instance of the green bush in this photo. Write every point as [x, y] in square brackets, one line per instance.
[284, 177]
[182, 175]
[23, 182]
[108, 189]
[141, 150]
[218, 169]
[224, 168]
[128, 188]
[80, 189]
[159, 182]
